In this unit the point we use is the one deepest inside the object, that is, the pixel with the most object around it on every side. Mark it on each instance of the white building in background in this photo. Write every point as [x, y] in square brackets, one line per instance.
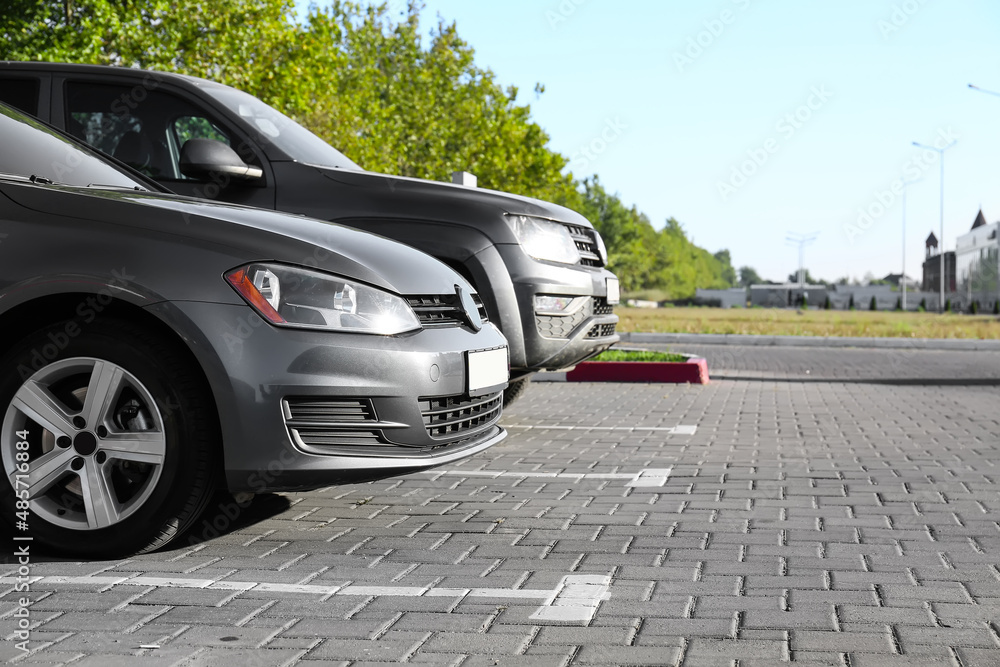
[976, 264]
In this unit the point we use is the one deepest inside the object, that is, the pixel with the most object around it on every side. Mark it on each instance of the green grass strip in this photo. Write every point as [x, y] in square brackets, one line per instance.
[638, 355]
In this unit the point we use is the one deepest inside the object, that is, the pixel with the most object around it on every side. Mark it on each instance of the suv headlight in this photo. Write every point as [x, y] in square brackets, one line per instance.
[543, 239]
[290, 296]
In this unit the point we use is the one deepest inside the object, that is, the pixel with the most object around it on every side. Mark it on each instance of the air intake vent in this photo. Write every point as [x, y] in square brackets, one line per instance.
[327, 424]
[601, 331]
[460, 416]
[330, 411]
[602, 307]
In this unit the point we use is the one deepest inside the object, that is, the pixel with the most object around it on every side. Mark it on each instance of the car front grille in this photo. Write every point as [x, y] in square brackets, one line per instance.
[602, 307]
[586, 244]
[460, 416]
[562, 326]
[351, 426]
[601, 331]
[443, 310]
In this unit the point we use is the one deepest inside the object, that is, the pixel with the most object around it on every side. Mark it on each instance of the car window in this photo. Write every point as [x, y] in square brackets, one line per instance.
[270, 126]
[32, 149]
[144, 128]
[21, 94]
[196, 127]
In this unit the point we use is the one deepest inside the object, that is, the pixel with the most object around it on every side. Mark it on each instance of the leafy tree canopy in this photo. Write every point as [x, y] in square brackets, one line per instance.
[368, 84]
[749, 276]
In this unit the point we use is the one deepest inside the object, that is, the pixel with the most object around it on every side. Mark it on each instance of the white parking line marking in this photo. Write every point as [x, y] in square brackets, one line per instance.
[646, 477]
[651, 477]
[575, 598]
[675, 430]
[514, 473]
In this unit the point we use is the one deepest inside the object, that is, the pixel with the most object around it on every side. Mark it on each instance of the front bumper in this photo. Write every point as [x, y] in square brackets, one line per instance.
[305, 409]
[554, 342]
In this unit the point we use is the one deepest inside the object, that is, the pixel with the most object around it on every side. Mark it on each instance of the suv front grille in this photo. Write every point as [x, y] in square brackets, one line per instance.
[562, 326]
[601, 331]
[443, 310]
[602, 307]
[586, 244]
[460, 416]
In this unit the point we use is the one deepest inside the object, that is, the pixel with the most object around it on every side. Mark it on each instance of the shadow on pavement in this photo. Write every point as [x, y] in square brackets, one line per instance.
[224, 515]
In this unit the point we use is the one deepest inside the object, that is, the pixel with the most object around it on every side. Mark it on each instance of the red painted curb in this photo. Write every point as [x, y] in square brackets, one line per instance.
[693, 371]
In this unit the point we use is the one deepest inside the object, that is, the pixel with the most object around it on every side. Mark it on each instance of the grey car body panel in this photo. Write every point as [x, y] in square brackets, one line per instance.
[245, 234]
[168, 254]
[464, 227]
[246, 351]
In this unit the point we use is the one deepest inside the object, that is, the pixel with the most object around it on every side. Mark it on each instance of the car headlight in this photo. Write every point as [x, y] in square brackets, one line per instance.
[291, 296]
[543, 239]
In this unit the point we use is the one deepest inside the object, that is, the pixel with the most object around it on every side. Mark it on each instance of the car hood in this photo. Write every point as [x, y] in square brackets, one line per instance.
[448, 200]
[249, 234]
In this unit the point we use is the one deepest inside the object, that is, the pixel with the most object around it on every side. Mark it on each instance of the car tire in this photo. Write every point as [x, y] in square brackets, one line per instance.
[515, 389]
[109, 438]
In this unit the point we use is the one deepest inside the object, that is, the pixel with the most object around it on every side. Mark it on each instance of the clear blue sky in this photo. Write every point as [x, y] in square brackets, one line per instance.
[813, 104]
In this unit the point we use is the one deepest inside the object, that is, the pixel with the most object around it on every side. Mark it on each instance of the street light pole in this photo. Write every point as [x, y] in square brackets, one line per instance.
[802, 240]
[983, 90]
[902, 279]
[940, 152]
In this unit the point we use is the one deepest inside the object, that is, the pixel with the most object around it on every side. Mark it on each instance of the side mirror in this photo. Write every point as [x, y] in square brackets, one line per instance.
[201, 158]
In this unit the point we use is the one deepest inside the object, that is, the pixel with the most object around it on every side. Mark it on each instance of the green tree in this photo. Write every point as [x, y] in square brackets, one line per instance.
[394, 97]
[749, 276]
[627, 233]
[726, 266]
[233, 41]
[808, 278]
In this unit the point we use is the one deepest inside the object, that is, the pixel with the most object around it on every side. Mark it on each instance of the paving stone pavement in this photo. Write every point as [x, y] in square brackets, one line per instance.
[824, 520]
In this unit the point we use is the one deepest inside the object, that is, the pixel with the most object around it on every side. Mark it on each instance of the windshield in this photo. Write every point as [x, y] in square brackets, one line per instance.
[273, 127]
[32, 149]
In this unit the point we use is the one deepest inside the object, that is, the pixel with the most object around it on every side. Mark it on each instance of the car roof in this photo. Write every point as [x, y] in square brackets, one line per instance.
[104, 70]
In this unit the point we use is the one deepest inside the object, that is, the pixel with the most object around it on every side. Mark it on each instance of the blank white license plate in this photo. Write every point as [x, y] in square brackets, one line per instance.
[487, 368]
[614, 293]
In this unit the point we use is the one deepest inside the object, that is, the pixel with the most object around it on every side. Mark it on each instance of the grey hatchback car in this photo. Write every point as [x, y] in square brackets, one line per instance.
[155, 348]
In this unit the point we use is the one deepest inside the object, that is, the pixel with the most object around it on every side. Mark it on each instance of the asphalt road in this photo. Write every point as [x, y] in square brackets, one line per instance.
[830, 507]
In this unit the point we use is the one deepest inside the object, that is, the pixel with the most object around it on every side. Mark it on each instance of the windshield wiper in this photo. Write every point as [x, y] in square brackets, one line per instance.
[117, 187]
